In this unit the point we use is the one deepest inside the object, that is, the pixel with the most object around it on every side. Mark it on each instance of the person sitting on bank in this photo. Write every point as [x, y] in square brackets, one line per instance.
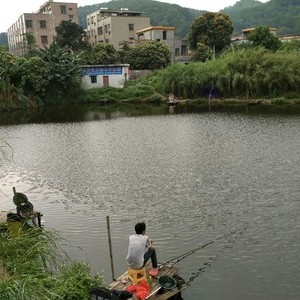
[171, 97]
[140, 249]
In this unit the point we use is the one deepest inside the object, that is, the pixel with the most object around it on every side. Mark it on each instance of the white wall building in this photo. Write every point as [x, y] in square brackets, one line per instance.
[165, 34]
[40, 25]
[97, 76]
[243, 37]
[115, 26]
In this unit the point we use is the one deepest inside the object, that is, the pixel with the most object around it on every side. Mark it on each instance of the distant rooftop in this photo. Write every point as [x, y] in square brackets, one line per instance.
[155, 28]
[104, 11]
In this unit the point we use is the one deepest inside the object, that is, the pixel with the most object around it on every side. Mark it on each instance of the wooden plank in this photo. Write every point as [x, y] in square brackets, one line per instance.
[122, 282]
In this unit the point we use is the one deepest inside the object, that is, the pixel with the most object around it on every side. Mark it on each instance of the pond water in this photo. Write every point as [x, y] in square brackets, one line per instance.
[193, 174]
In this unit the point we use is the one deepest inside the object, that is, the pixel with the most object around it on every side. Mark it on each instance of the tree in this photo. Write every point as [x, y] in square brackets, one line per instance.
[211, 29]
[262, 36]
[64, 70]
[30, 46]
[202, 53]
[101, 54]
[32, 76]
[148, 56]
[10, 94]
[71, 35]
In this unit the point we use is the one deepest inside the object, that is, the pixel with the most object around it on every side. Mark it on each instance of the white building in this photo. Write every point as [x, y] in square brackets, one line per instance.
[97, 76]
[243, 37]
[115, 26]
[40, 25]
[165, 34]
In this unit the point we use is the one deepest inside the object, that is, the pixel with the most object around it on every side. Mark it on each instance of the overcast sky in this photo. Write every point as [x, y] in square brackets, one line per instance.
[11, 10]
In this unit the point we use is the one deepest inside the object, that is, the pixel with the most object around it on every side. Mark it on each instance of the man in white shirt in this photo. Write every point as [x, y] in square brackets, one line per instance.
[140, 249]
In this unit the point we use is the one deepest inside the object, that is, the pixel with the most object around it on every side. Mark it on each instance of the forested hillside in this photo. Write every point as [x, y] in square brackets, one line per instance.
[3, 38]
[282, 14]
[241, 5]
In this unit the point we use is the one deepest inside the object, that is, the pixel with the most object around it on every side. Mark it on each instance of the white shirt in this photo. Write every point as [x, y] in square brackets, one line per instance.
[138, 246]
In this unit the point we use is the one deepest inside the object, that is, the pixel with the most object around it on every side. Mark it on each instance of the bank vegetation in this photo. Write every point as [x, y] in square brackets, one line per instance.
[33, 266]
[240, 74]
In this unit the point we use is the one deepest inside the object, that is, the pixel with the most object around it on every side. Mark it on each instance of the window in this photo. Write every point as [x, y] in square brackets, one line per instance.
[164, 35]
[100, 30]
[93, 78]
[42, 24]
[105, 28]
[28, 23]
[63, 9]
[131, 27]
[44, 39]
[71, 17]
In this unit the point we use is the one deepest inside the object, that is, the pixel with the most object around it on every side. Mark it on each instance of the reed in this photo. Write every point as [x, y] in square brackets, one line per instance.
[245, 73]
[33, 266]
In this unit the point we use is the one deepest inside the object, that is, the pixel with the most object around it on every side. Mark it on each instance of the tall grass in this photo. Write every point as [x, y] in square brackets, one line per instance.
[137, 91]
[241, 73]
[34, 267]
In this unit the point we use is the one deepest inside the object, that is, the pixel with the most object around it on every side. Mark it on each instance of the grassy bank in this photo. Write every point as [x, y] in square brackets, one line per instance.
[32, 266]
[239, 75]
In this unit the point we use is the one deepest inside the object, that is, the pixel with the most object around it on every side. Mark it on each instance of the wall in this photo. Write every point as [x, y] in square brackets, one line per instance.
[117, 75]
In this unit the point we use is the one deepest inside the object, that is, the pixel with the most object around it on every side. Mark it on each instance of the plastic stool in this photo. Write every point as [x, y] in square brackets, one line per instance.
[137, 275]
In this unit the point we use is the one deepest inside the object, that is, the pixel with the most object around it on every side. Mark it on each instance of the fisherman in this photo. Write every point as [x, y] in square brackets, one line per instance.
[171, 97]
[140, 249]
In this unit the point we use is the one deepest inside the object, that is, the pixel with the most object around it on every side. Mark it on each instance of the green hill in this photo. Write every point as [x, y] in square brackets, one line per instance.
[3, 38]
[241, 5]
[282, 14]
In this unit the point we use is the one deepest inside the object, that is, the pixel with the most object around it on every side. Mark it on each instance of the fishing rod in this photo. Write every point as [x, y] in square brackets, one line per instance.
[190, 252]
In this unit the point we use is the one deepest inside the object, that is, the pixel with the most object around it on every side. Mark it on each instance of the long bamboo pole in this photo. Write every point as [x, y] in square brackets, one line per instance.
[110, 249]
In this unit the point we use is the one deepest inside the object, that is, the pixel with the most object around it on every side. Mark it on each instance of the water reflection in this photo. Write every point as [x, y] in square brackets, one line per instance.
[192, 175]
[82, 113]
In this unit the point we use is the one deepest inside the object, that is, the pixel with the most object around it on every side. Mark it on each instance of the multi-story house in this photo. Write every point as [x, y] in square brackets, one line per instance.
[115, 26]
[243, 37]
[164, 34]
[39, 28]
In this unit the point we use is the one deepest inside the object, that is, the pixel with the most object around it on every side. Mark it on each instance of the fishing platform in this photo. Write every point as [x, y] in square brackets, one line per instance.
[157, 291]
[23, 213]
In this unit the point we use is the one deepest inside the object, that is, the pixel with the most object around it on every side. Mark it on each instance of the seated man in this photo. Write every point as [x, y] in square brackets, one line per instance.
[140, 249]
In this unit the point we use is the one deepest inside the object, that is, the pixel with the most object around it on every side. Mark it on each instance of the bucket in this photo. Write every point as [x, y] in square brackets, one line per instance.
[167, 282]
[14, 228]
